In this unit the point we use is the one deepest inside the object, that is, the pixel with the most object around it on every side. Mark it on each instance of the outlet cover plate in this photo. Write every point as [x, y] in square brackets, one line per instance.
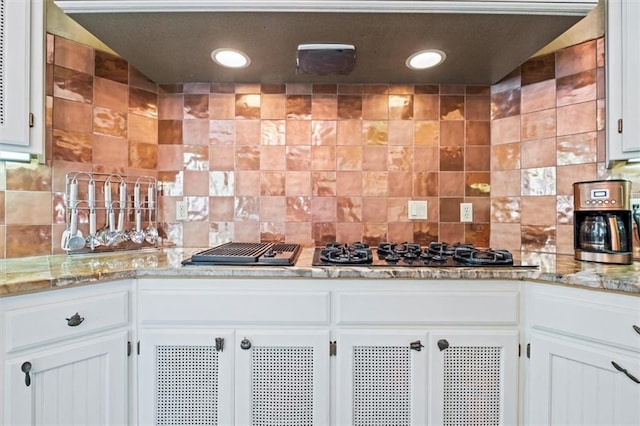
[417, 209]
[181, 210]
[466, 212]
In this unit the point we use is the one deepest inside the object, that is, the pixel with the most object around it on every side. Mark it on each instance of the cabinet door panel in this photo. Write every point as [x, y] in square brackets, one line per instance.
[380, 379]
[574, 382]
[14, 86]
[282, 378]
[82, 384]
[184, 379]
[474, 378]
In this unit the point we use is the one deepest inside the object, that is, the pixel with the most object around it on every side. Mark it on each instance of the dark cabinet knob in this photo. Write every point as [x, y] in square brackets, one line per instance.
[245, 344]
[75, 320]
[443, 344]
[26, 368]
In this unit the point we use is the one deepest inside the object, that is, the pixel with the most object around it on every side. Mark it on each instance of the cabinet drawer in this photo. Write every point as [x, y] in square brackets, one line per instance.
[601, 321]
[310, 307]
[442, 308]
[27, 326]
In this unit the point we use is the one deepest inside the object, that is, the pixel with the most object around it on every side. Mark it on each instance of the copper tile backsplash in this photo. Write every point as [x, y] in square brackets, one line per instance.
[312, 163]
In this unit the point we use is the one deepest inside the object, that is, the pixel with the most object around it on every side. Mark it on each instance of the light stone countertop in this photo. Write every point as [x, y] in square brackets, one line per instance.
[35, 274]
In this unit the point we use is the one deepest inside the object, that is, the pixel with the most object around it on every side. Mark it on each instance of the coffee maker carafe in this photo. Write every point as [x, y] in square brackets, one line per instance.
[602, 221]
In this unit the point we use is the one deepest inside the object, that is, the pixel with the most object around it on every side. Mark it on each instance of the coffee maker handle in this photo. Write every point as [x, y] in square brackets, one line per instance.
[614, 233]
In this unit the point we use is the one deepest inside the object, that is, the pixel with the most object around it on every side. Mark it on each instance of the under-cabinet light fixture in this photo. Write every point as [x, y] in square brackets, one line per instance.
[23, 157]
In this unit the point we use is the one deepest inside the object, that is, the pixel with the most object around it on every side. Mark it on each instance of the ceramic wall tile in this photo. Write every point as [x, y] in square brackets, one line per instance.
[575, 59]
[349, 158]
[143, 155]
[113, 151]
[298, 106]
[576, 88]
[349, 107]
[143, 102]
[70, 54]
[578, 118]
[538, 153]
[273, 106]
[111, 67]
[350, 183]
[577, 149]
[272, 157]
[537, 69]
[400, 184]
[323, 184]
[478, 107]
[272, 184]
[538, 96]
[426, 133]
[505, 104]
[506, 209]
[72, 85]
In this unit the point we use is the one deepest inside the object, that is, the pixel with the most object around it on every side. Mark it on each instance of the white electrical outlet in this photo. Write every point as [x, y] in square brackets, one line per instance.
[466, 212]
[417, 210]
[181, 210]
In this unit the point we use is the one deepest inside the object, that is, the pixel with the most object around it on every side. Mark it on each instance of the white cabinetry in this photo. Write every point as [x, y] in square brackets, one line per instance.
[272, 365]
[22, 75]
[577, 338]
[65, 356]
[418, 353]
[623, 86]
[474, 377]
[381, 377]
[233, 352]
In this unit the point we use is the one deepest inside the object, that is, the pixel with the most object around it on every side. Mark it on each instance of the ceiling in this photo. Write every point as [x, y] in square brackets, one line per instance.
[171, 43]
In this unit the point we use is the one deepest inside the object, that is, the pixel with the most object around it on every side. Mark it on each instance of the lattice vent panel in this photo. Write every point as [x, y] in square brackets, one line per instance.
[472, 384]
[381, 385]
[187, 388]
[282, 386]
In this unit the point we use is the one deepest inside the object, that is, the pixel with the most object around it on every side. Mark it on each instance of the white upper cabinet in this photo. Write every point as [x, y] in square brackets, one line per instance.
[22, 76]
[623, 86]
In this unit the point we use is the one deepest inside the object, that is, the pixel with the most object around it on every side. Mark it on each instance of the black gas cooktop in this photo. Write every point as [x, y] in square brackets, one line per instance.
[407, 254]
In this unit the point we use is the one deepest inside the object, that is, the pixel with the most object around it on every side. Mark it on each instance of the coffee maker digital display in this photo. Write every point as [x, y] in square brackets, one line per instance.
[602, 221]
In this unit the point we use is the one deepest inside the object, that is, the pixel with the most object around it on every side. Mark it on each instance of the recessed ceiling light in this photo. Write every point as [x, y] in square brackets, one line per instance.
[230, 58]
[425, 59]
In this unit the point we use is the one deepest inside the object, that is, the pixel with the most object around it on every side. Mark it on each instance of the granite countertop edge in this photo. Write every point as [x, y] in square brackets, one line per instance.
[43, 273]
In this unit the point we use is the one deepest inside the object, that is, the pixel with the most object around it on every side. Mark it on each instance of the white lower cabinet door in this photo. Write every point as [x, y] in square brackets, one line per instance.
[574, 382]
[282, 377]
[473, 378]
[381, 377]
[185, 377]
[78, 384]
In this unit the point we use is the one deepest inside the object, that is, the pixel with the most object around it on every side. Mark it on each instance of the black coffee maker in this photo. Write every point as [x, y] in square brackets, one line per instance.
[602, 221]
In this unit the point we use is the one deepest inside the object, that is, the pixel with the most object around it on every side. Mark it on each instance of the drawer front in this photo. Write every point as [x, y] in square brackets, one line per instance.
[27, 326]
[610, 324]
[424, 308]
[276, 307]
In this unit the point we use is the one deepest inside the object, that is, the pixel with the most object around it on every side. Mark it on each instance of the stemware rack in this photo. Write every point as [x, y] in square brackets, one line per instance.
[109, 212]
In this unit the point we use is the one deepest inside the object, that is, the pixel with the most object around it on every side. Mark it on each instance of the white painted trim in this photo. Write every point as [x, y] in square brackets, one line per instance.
[531, 7]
